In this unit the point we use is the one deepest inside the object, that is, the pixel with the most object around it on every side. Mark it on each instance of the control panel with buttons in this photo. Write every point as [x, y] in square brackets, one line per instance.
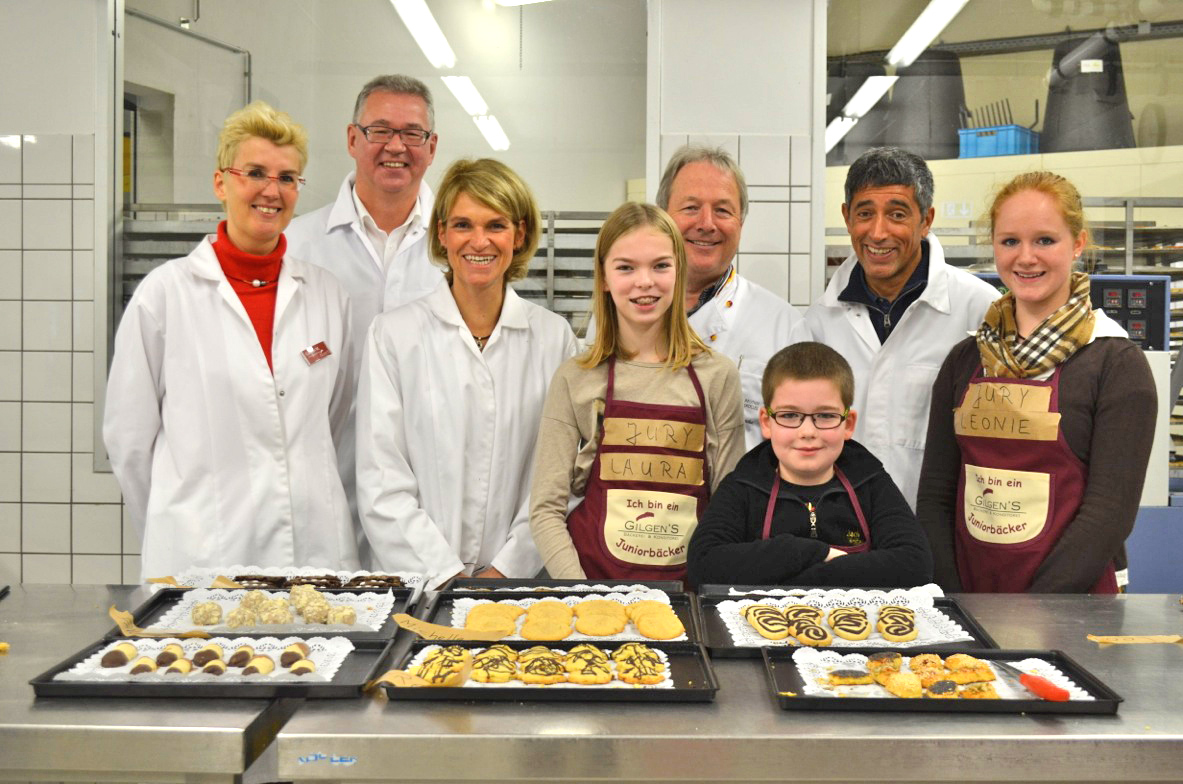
[1139, 303]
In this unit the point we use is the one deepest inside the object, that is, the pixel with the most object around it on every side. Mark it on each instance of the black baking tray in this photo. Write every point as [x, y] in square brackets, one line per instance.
[474, 584]
[690, 669]
[718, 639]
[787, 687]
[683, 604]
[163, 600]
[363, 664]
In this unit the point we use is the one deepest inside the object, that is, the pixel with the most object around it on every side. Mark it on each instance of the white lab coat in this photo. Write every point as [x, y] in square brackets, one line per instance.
[893, 380]
[748, 324]
[219, 460]
[333, 237]
[445, 435]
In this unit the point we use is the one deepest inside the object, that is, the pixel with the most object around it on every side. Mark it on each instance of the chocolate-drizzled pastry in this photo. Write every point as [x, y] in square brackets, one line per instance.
[254, 581]
[302, 667]
[207, 654]
[216, 667]
[120, 655]
[543, 669]
[170, 654]
[640, 652]
[589, 671]
[143, 664]
[493, 666]
[642, 666]
[375, 581]
[768, 621]
[943, 689]
[796, 612]
[180, 667]
[293, 653]
[241, 656]
[259, 665]
[318, 580]
[442, 667]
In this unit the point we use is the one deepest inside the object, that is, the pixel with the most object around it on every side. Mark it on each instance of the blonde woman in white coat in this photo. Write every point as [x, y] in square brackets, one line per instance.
[231, 381]
[451, 391]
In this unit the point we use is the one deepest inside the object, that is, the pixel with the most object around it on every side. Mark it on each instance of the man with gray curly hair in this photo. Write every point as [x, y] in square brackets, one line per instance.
[895, 308]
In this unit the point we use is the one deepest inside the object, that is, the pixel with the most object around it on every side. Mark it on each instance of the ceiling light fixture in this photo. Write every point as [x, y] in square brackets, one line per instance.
[867, 95]
[932, 20]
[491, 130]
[467, 94]
[838, 128]
[423, 28]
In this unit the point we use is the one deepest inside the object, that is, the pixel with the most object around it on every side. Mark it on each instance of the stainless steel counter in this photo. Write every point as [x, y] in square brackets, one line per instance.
[745, 736]
[64, 739]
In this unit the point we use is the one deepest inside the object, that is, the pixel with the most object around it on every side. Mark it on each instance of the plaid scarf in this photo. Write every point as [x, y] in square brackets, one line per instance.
[1004, 354]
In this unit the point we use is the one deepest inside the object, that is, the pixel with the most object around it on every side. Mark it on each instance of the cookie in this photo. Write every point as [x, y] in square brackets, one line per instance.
[768, 621]
[542, 669]
[216, 667]
[537, 650]
[578, 656]
[170, 654]
[898, 629]
[142, 665]
[850, 677]
[639, 651]
[979, 691]
[930, 675]
[796, 612]
[253, 599]
[637, 609]
[609, 607]
[884, 660]
[259, 665]
[445, 666]
[343, 614]
[207, 654]
[903, 684]
[926, 661]
[851, 625]
[293, 653]
[206, 614]
[600, 625]
[941, 690]
[546, 629]
[242, 655]
[966, 675]
[550, 608]
[493, 666]
[640, 665]
[480, 613]
[811, 634]
[660, 626]
[241, 617]
[962, 661]
[120, 655]
[589, 670]
[180, 667]
[302, 667]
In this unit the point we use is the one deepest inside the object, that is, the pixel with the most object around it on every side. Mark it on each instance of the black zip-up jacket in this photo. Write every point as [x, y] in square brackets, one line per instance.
[726, 547]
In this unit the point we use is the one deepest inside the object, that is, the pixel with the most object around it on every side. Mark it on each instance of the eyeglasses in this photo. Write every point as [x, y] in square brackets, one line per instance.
[257, 177]
[822, 420]
[382, 134]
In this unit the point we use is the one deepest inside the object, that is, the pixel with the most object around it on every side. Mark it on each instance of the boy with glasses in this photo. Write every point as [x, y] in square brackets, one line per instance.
[809, 506]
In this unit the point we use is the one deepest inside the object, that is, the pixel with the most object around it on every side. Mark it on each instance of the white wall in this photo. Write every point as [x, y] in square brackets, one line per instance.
[60, 521]
[752, 81]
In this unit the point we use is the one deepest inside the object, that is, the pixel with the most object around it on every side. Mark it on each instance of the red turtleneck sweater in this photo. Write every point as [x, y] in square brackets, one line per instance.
[240, 268]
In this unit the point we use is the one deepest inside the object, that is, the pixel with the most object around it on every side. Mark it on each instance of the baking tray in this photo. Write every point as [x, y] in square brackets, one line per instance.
[690, 669]
[474, 584]
[362, 665]
[718, 639]
[683, 604]
[163, 600]
[785, 679]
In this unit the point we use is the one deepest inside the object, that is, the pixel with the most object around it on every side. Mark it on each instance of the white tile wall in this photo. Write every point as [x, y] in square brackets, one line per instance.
[59, 520]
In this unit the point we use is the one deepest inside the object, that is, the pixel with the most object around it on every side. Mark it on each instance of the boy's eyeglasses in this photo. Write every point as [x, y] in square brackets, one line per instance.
[822, 420]
[382, 134]
[257, 177]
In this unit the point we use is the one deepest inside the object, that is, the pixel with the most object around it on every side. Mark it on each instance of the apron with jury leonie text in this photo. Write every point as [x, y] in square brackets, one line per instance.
[1020, 485]
[649, 484]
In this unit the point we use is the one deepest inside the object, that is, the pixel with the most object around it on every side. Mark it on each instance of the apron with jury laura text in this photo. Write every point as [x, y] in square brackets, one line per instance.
[649, 484]
[1020, 484]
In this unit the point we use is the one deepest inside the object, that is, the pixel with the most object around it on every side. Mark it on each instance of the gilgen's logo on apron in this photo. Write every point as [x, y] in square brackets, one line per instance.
[649, 527]
[1005, 507]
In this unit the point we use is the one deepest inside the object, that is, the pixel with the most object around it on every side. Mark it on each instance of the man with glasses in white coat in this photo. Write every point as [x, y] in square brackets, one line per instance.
[374, 236]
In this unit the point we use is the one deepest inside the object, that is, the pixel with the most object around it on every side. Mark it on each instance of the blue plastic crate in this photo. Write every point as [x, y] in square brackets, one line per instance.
[998, 140]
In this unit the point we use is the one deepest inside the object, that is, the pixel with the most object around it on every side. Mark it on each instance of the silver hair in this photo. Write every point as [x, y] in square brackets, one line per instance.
[882, 166]
[693, 153]
[399, 84]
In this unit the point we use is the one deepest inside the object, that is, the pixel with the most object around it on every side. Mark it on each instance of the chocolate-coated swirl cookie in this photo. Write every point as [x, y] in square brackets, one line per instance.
[811, 634]
[898, 630]
[796, 612]
[851, 627]
[768, 621]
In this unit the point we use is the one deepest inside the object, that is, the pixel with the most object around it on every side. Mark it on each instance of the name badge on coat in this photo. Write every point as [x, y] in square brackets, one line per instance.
[315, 353]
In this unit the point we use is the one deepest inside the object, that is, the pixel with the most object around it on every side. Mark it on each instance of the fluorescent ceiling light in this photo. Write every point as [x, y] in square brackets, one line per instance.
[491, 130]
[466, 93]
[426, 32]
[838, 127]
[868, 95]
[924, 30]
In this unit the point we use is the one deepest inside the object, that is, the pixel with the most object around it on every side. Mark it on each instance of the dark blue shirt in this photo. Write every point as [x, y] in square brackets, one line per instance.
[885, 315]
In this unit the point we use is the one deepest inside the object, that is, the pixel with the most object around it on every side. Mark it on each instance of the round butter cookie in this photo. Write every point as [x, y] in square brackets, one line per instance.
[600, 625]
[546, 629]
[660, 626]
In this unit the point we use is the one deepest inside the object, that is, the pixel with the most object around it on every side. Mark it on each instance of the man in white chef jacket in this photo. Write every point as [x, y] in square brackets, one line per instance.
[373, 237]
[704, 191]
[895, 308]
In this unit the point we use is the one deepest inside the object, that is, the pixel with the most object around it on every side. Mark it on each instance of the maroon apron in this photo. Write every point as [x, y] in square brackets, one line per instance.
[858, 512]
[649, 484]
[1020, 484]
